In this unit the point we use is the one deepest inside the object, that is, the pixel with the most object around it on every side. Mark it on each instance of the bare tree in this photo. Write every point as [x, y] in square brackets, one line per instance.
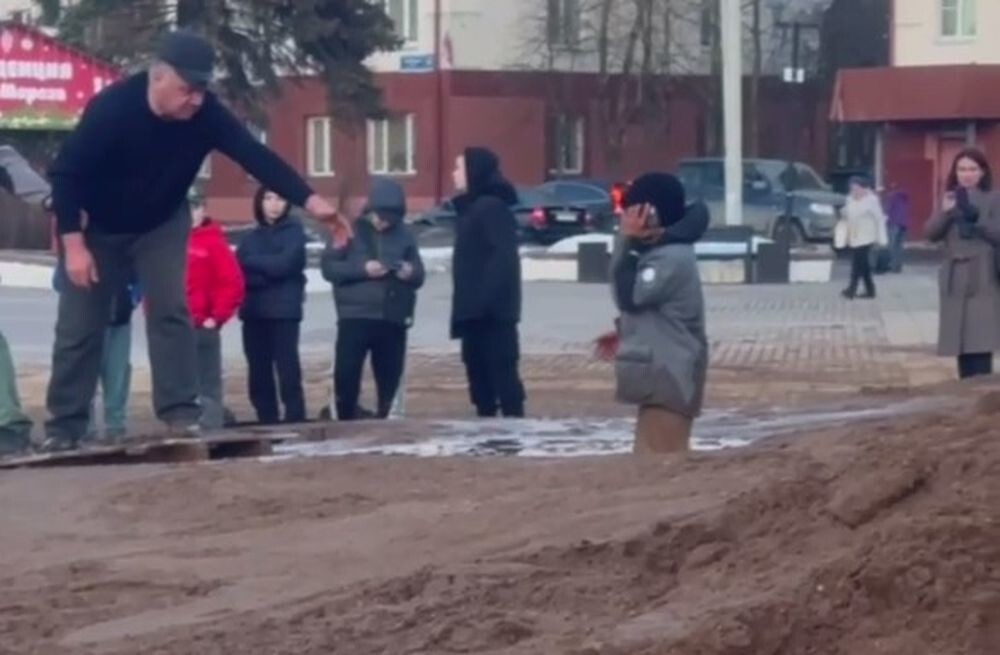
[625, 45]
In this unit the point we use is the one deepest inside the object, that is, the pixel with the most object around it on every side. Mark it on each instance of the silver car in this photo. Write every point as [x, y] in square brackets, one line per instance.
[776, 195]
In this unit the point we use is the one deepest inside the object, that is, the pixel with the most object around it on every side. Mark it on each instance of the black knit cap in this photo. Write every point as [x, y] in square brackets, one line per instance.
[661, 190]
[190, 55]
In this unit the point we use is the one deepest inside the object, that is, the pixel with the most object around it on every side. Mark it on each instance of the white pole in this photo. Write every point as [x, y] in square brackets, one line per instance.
[731, 23]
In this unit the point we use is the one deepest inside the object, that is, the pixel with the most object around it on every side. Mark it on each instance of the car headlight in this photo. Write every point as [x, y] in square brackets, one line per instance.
[822, 210]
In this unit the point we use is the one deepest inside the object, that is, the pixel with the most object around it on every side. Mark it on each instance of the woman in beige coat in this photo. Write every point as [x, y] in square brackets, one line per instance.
[864, 225]
[969, 227]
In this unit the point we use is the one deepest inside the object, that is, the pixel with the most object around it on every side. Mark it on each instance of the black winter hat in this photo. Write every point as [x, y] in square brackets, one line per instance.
[661, 190]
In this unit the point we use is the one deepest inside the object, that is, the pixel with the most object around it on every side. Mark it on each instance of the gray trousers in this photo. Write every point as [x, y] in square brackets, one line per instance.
[159, 260]
[210, 378]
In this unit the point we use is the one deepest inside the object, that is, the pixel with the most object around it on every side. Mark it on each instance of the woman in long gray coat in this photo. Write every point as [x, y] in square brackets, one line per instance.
[969, 227]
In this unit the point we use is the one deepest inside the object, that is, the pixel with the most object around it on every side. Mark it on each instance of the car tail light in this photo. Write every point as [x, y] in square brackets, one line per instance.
[618, 196]
[538, 218]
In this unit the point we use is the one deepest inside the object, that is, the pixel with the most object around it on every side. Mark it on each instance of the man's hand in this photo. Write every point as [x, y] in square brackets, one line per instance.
[80, 266]
[405, 271]
[375, 269]
[340, 226]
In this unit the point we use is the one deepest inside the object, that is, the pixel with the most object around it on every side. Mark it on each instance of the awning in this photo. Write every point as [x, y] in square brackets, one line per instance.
[916, 93]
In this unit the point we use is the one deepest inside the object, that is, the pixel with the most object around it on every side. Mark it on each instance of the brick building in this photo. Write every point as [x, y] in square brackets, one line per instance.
[940, 94]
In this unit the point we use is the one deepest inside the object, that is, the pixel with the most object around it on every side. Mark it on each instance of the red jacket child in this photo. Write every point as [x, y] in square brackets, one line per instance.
[215, 285]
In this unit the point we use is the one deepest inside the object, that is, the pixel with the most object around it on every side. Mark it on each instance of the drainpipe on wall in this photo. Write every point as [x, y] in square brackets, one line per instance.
[880, 157]
[970, 134]
[438, 107]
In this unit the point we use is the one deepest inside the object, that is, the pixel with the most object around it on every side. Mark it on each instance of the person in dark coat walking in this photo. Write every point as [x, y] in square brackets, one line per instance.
[273, 259]
[486, 272]
[376, 277]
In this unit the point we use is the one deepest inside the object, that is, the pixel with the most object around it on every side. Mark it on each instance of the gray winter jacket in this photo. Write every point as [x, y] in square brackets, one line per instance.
[663, 353]
[389, 298]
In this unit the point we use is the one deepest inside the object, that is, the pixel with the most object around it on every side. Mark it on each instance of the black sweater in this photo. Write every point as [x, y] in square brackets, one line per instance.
[130, 170]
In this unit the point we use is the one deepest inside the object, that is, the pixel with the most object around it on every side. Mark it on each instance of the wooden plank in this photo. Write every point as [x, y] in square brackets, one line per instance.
[243, 449]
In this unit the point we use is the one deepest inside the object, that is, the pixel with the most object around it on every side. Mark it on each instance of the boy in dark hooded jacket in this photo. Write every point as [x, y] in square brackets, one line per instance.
[375, 279]
[273, 259]
[486, 272]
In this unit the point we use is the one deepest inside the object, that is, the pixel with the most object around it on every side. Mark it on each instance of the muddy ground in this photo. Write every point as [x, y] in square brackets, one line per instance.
[877, 537]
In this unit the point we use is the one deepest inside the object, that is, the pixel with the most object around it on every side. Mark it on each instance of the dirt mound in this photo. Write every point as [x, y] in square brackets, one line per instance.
[882, 538]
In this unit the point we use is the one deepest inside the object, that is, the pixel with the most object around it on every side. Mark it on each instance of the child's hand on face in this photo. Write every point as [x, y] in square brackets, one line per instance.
[633, 223]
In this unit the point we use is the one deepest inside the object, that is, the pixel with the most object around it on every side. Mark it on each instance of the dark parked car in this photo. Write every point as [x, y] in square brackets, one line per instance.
[590, 201]
[776, 195]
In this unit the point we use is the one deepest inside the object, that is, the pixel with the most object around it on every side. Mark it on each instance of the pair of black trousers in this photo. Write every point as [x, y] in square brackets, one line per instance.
[974, 365]
[272, 347]
[157, 258]
[491, 351]
[356, 338]
[861, 270]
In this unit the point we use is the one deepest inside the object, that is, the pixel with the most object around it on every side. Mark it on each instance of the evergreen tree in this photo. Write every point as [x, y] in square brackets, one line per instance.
[258, 42]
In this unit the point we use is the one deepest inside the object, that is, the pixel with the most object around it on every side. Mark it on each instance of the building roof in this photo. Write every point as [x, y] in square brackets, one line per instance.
[916, 93]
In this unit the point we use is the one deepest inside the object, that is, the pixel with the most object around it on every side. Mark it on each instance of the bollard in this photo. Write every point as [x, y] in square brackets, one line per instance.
[593, 263]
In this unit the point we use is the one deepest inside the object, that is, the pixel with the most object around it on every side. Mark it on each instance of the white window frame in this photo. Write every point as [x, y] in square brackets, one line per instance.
[579, 144]
[313, 123]
[411, 139]
[409, 31]
[961, 10]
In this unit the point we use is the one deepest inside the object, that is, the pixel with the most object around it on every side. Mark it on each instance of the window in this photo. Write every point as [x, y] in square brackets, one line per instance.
[564, 23]
[958, 18]
[391, 146]
[708, 27]
[319, 146]
[405, 17]
[567, 138]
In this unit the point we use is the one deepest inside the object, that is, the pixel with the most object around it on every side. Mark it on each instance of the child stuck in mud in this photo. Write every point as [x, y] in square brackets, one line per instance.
[659, 348]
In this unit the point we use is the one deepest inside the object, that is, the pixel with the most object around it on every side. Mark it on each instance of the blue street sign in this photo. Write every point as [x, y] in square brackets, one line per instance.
[416, 63]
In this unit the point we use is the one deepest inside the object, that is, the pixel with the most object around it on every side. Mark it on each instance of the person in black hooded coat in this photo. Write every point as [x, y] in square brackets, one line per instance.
[486, 272]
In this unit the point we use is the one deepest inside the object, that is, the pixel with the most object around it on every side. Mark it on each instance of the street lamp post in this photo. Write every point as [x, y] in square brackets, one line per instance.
[731, 24]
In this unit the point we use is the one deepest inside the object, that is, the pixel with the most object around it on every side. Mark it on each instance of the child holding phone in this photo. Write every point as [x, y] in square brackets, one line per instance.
[375, 278]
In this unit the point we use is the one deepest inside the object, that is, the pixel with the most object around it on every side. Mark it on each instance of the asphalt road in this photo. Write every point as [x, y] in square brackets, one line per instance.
[557, 317]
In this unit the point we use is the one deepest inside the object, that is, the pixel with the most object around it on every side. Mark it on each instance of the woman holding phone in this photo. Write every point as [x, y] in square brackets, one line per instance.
[968, 225]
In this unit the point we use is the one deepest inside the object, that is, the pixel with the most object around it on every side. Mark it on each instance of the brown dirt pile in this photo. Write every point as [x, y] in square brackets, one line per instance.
[872, 539]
